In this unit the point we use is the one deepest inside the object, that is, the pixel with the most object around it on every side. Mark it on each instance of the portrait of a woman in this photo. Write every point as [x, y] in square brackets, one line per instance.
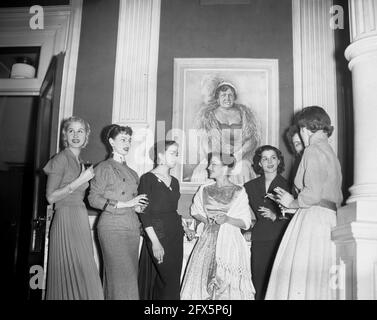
[230, 127]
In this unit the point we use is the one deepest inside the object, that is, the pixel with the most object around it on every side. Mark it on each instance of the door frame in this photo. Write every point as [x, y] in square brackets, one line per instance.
[61, 33]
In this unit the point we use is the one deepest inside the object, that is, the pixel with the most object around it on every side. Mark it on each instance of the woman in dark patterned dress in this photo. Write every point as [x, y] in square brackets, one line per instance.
[162, 251]
[114, 191]
[72, 273]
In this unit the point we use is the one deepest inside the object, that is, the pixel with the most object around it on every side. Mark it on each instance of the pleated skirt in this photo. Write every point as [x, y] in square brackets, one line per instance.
[72, 273]
[306, 257]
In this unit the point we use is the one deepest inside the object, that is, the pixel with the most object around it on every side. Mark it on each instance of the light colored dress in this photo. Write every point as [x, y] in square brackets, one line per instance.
[219, 266]
[72, 273]
[306, 256]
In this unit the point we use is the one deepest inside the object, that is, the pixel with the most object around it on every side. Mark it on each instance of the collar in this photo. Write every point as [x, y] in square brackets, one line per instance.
[72, 155]
[119, 158]
[318, 137]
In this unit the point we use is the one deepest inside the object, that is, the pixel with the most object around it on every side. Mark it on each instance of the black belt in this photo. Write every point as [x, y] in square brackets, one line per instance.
[327, 204]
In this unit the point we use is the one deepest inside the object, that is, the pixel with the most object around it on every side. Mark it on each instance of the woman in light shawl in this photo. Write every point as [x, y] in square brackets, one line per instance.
[219, 267]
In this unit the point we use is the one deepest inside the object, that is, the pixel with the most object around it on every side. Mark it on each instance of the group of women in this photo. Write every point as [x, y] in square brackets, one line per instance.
[291, 252]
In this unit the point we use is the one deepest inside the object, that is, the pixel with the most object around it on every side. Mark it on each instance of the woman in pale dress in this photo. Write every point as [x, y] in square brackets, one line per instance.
[219, 266]
[72, 273]
[306, 255]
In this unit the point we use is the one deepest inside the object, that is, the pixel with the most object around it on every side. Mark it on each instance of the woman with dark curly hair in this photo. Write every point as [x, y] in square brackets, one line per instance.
[302, 266]
[72, 273]
[114, 191]
[270, 226]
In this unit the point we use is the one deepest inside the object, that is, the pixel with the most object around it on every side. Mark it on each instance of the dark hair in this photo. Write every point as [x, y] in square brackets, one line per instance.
[116, 129]
[315, 118]
[223, 88]
[258, 156]
[67, 123]
[160, 147]
[226, 159]
[291, 131]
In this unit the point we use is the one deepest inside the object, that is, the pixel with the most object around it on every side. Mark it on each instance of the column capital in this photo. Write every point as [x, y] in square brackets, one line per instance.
[361, 49]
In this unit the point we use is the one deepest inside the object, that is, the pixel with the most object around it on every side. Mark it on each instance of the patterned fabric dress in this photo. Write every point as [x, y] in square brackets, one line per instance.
[204, 278]
[72, 273]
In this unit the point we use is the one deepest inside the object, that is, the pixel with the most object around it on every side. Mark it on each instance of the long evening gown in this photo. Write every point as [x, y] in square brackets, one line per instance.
[72, 273]
[303, 264]
[210, 274]
[161, 281]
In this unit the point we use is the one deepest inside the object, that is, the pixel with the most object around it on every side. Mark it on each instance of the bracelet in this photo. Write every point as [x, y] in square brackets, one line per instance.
[106, 204]
[112, 203]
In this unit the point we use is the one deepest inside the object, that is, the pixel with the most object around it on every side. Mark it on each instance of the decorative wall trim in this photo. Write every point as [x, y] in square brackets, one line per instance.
[297, 55]
[71, 57]
[135, 82]
[15, 31]
[61, 33]
[313, 58]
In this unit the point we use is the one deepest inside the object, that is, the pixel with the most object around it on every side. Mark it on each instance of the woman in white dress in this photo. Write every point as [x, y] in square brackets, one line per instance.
[302, 267]
[219, 267]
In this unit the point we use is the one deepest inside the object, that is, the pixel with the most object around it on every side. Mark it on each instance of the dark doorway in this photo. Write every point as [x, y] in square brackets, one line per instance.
[28, 139]
[18, 116]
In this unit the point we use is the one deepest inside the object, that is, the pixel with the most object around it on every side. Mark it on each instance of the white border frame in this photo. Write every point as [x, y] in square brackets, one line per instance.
[270, 66]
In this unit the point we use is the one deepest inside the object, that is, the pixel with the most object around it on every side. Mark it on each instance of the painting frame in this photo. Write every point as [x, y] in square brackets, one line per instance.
[267, 96]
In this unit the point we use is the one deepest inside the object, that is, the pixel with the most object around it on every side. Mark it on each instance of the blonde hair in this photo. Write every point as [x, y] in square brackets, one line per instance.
[66, 124]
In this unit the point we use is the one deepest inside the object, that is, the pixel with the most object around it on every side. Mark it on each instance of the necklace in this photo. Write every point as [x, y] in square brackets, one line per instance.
[164, 179]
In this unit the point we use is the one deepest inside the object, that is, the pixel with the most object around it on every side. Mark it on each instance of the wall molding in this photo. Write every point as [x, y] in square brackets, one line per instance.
[135, 81]
[314, 65]
[61, 33]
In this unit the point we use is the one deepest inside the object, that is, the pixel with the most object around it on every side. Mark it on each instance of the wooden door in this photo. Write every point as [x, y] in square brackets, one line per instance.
[46, 147]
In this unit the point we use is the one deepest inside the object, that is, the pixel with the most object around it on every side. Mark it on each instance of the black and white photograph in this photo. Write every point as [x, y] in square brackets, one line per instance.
[188, 154]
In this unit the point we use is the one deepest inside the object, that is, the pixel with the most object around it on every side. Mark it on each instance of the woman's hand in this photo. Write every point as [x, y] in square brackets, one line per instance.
[285, 210]
[283, 197]
[86, 175]
[267, 213]
[221, 218]
[190, 234]
[140, 208]
[158, 251]
[141, 200]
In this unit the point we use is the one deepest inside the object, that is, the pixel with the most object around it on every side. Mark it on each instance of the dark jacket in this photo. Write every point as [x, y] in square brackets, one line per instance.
[266, 229]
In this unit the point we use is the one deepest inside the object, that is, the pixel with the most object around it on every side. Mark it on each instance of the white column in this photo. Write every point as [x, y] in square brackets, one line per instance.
[135, 83]
[313, 58]
[356, 231]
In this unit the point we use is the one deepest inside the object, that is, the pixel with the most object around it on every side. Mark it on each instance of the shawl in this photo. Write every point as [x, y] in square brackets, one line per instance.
[232, 252]
[250, 126]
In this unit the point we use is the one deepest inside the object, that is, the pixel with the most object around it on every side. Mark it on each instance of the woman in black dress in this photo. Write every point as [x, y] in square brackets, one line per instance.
[270, 227]
[162, 252]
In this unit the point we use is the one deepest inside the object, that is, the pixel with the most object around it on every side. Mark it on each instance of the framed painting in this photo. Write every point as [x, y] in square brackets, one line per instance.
[203, 89]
